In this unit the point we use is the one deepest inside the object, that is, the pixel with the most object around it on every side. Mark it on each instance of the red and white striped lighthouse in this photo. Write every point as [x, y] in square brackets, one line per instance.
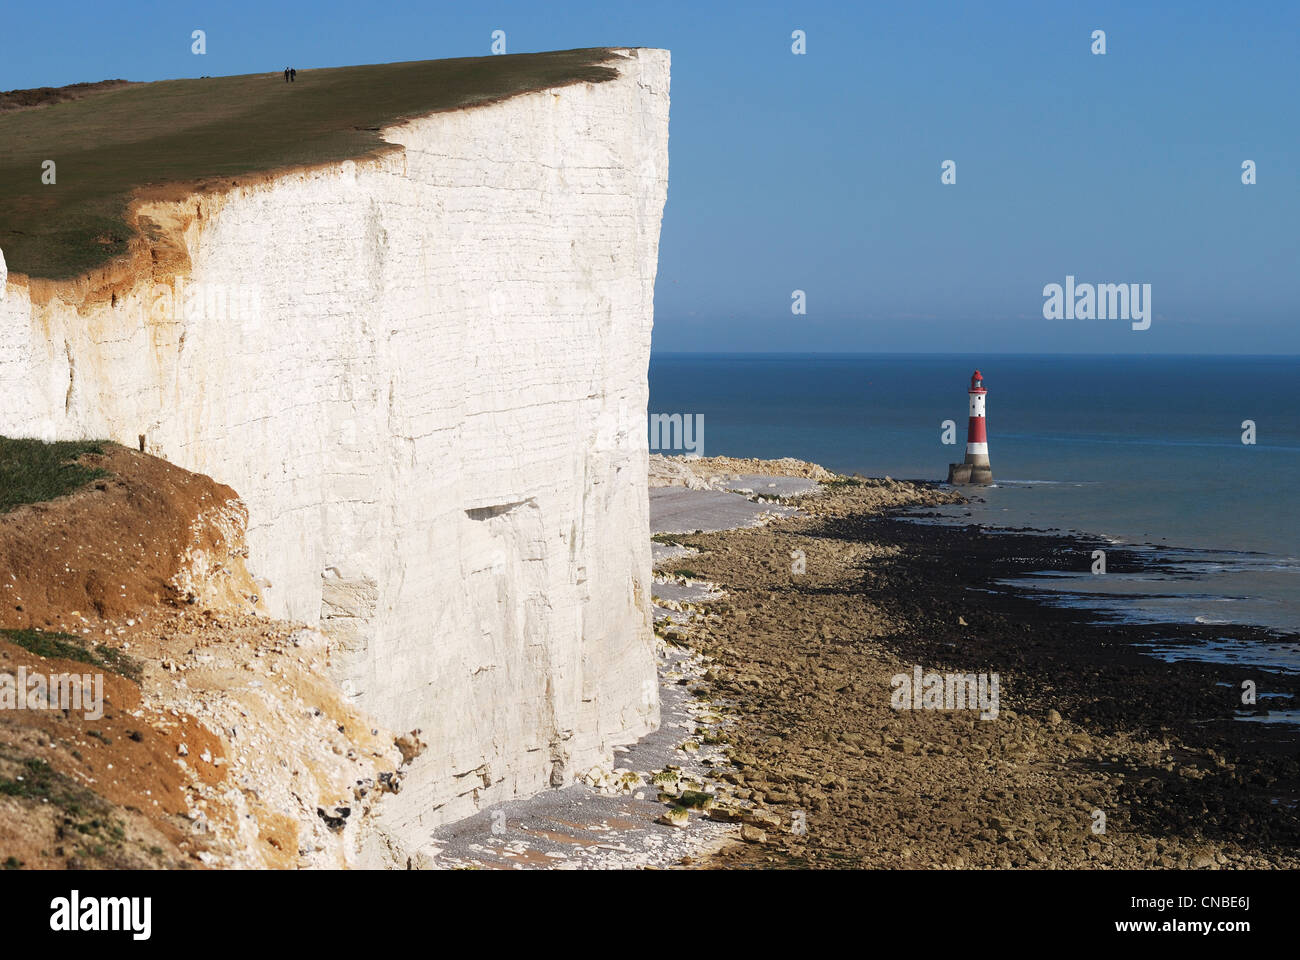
[976, 467]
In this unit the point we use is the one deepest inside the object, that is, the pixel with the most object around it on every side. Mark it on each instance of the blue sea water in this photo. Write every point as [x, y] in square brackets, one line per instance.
[1146, 451]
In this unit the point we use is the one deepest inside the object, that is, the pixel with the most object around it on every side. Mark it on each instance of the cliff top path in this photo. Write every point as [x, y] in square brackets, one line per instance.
[115, 142]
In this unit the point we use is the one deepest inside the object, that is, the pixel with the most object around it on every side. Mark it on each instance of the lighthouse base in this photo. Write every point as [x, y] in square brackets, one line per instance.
[959, 473]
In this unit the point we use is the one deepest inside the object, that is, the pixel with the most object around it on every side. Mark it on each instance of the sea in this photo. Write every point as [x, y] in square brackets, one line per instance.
[1193, 458]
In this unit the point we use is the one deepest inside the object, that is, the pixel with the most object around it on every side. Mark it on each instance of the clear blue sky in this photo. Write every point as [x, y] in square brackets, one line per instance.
[822, 172]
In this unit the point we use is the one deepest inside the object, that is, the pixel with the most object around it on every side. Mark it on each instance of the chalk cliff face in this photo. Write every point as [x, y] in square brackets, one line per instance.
[425, 374]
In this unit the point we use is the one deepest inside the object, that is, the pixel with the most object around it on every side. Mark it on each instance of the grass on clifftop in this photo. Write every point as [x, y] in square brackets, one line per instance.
[112, 141]
[32, 471]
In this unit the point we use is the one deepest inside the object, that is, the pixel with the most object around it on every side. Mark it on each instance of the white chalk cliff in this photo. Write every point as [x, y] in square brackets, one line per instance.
[434, 412]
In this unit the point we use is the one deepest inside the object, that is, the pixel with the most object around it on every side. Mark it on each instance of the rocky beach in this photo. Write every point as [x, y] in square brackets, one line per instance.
[1099, 756]
[788, 603]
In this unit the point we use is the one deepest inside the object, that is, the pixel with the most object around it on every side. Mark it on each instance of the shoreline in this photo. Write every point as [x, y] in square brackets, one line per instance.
[1088, 722]
[1184, 579]
[780, 747]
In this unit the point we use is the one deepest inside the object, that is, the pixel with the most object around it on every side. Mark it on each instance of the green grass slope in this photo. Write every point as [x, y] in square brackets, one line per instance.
[32, 471]
[181, 131]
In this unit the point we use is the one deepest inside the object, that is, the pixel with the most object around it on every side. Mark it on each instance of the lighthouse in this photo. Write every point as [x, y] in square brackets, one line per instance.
[976, 467]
